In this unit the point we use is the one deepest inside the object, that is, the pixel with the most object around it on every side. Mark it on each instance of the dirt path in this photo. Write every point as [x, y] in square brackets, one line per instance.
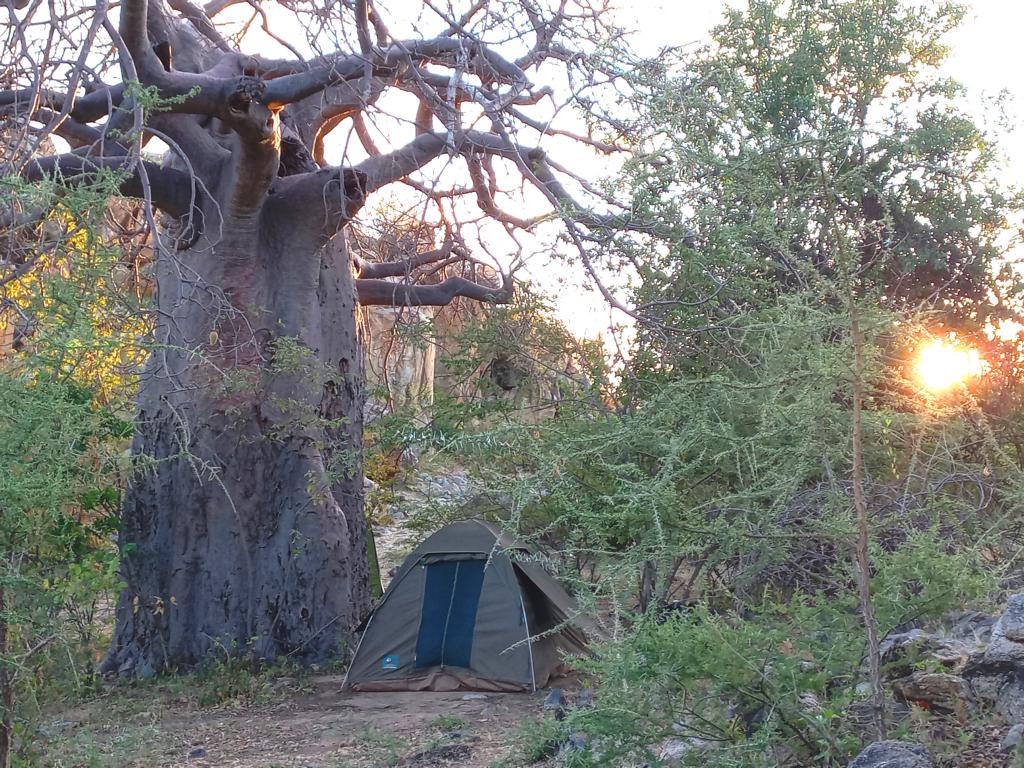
[308, 724]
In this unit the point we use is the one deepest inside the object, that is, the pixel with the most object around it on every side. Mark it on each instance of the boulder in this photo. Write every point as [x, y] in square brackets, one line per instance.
[1013, 737]
[893, 754]
[899, 651]
[934, 689]
[996, 676]
[1007, 642]
[971, 627]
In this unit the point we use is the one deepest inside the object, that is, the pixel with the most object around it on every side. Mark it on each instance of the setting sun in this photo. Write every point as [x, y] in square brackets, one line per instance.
[942, 364]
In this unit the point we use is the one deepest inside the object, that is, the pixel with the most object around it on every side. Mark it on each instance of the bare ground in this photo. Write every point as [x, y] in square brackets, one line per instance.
[308, 723]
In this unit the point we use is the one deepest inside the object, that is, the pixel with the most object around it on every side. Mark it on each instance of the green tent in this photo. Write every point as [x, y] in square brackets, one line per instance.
[469, 609]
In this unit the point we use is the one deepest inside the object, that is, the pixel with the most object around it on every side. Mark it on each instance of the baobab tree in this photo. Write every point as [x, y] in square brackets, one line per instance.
[242, 524]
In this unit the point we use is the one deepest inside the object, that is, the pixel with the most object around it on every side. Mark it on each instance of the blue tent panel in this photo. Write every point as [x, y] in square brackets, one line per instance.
[448, 619]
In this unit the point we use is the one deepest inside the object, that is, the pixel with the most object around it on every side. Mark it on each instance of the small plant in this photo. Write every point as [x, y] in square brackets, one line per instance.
[385, 748]
[448, 723]
[531, 742]
[241, 681]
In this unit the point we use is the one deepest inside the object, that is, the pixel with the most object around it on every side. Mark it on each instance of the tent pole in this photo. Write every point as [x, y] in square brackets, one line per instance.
[526, 623]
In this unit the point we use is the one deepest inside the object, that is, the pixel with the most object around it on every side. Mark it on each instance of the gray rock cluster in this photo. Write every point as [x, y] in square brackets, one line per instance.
[996, 676]
[977, 663]
[893, 754]
[452, 486]
[421, 490]
[938, 683]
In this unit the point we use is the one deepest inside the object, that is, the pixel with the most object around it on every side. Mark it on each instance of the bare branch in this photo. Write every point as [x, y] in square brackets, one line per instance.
[386, 293]
[378, 269]
[85, 109]
[201, 22]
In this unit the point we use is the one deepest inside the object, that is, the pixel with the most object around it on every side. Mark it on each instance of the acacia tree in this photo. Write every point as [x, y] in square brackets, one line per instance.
[801, 119]
[243, 525]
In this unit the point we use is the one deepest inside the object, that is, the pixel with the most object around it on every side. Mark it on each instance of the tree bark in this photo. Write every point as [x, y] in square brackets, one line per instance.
[862, 553]
[243, 526]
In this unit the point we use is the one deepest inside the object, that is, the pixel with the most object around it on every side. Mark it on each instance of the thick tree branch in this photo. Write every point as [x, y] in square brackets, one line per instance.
[172, 191]
[132, 26]
[385, 169]
[363, 26]
[377, 269]
[386, 293]
[86, 108]
[201, 22]
[77, 134]
[292, 88]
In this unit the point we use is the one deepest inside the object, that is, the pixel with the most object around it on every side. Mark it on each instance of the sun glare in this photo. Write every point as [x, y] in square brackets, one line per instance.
[943, 364]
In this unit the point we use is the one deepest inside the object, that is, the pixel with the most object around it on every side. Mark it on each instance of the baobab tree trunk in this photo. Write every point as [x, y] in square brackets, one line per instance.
[243, 527]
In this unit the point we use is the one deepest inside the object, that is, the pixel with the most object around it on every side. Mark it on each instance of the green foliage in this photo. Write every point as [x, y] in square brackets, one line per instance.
[237, 682]
[805, 129]
[742, 684]
[73, 315]
[386, 748]
[741, 473]
[56, 559]
[448, 723]
[808, 164]
[533, 741]
[508, 360]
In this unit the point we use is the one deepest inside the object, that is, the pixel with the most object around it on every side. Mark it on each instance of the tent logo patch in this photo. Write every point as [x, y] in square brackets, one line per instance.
[390, 663]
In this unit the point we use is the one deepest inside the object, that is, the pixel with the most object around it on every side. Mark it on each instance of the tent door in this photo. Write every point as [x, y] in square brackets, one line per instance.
[448, 617]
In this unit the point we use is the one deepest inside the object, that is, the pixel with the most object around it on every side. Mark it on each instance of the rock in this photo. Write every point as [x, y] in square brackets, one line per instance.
[555, 699]
[586, 699]
[281, 683]
[673, 750]
[1013, 737]
[197, 753]
[899, 650]
[1007, 642]
[893, 644]
[932, 688]
[996, 676]
[474, 697]
[574, 742]
[54, 729]
[893, 754]
[971, 627]
[810, 704]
